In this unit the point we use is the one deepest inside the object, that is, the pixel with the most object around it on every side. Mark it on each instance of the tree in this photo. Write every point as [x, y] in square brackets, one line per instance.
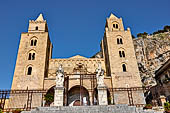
[142, 34]
[166, 28]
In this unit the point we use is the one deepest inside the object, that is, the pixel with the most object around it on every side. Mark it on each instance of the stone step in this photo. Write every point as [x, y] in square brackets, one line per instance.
[91, 109]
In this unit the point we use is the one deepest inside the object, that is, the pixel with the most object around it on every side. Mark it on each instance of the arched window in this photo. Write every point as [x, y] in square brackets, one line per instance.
[36, 28]
[120, 53]
[115, 26]
[124, 67]
[123, 54]
[29, 71]
[31, 56]
[118, 41]
[33, 42]
[121, 41]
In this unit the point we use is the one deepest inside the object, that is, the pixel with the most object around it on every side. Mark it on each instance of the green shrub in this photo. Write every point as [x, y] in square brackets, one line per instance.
[49, 98]
[166, 28]
[167, 106]
[142, 34]
[16, 111]
[148, 106]
[1, 111]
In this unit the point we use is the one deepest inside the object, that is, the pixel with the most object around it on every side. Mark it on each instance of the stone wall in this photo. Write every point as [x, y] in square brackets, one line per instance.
[20, 100]
[69, 66]
[70, 63]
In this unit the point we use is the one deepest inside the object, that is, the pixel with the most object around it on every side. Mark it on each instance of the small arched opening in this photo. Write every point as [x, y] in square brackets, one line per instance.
[124, 67]
[36, 28]
[121, 41]
[29, 71]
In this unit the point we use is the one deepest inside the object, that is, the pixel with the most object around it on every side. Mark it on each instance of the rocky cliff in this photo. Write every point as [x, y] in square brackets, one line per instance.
[151, 52]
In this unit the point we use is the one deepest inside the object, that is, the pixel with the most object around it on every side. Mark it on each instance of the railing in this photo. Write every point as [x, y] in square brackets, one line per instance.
[21, 99]
[29, 99]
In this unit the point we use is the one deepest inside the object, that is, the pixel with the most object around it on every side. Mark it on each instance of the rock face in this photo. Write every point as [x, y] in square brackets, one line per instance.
[92, 109]
[151, 52]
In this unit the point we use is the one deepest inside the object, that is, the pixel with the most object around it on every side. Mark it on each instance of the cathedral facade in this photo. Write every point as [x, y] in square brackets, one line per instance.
[36, 69]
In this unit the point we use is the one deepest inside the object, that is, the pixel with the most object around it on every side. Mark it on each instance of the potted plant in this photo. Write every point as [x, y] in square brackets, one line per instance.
[16, 111]
[1, 111]
[167, 107]
[148, 106]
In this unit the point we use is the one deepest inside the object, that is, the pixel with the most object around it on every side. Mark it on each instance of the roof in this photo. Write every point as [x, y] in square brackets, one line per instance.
[112, 16]
[40, 18]
[162, 68]
[78, 57]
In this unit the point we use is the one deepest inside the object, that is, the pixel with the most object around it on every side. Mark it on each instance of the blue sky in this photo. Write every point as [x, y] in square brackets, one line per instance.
[75, 26]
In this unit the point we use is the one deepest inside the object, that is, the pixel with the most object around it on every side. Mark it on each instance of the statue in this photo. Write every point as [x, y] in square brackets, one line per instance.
[100, 75]
[60, 76]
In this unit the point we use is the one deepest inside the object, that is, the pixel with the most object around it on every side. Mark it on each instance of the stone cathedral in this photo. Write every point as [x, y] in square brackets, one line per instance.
[36, 69]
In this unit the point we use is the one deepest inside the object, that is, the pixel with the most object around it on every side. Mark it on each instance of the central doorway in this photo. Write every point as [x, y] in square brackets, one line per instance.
[78, 96]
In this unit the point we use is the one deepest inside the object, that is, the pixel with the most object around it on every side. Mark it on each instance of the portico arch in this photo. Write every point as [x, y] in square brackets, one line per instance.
[78, 95]
[49, 96]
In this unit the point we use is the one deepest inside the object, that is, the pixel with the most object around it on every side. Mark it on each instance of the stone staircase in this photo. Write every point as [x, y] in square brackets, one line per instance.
[91, 109]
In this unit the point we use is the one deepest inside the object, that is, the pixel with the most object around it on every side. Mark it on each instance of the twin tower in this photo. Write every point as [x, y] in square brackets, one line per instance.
[35, 68]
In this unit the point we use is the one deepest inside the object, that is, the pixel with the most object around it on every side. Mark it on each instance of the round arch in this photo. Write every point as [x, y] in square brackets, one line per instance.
[26, 69]
[34, 37]
[33, 41]
[77, 84]
[119, 36]
[77, 98]
[124, 65]
[49, 96]
[115, 24]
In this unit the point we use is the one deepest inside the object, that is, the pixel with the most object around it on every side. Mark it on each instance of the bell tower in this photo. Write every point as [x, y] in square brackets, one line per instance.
[120, 59]
[34, 52]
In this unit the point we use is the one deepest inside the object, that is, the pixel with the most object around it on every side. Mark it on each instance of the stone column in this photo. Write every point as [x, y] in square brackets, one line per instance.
[102, 95]
[90, 98]
[58, 96]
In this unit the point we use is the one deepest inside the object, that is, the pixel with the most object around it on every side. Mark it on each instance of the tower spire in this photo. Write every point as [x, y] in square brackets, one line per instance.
[112, 16]
[40, 18]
